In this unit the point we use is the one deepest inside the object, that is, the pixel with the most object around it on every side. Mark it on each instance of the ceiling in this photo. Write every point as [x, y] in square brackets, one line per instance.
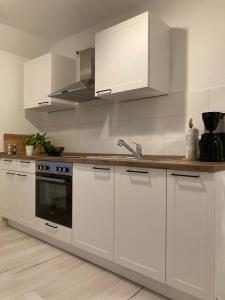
[57, 19]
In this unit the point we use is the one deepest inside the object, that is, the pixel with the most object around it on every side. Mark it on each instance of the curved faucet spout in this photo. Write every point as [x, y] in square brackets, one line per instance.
[136, 153]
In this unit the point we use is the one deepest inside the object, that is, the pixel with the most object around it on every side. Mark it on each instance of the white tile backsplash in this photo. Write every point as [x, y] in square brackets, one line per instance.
[159, 123]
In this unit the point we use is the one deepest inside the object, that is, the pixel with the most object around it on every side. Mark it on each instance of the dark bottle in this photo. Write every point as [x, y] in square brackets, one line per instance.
[14, 149]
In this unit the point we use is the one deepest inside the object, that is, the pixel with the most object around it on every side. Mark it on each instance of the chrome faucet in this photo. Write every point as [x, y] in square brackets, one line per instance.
[136, 153]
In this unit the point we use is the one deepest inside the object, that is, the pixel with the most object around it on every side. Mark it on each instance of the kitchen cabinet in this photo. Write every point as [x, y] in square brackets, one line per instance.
[132, 59]
[190, 233]
[140, 220]
[93, 209]
[9, 195]
[25, 197]
[44, 75]
[53, 230]
[18, 195]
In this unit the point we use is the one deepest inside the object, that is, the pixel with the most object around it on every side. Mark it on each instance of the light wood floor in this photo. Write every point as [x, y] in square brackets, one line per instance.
[33, 270]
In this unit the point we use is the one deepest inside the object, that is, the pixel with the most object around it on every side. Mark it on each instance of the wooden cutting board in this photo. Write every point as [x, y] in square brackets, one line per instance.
[17, 139]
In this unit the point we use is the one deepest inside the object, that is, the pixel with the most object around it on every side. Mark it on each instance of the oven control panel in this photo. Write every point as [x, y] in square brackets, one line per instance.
[54, 167]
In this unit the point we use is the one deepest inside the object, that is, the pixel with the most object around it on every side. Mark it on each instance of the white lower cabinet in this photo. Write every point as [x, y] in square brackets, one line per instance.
[140, 220]
[9, 195]
[93, 209]
[54, 230]
[25, 186]
[18, 196]
[190, 233]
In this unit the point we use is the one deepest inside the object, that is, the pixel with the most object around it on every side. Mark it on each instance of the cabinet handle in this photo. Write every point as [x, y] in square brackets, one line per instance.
[140, 172]
[46, 224]
[22, 175]
[183, 175]
[7, 160]
[43, 103]
[24, 162]
[104, 92]
[10, 173]
[98, 168]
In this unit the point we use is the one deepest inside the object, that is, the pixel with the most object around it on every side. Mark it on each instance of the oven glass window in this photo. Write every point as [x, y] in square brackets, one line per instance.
[54, 199]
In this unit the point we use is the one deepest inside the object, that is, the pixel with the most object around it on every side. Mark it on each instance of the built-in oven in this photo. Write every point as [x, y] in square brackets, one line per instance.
[54, 192]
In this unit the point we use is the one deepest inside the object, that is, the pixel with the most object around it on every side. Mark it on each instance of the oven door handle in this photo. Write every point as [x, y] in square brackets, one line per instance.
[49, 179]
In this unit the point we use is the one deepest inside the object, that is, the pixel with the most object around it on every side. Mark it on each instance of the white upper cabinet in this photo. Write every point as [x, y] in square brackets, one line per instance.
[45, 75]
[93, 209]
[132, 59]
[140, 220]
[190, 233]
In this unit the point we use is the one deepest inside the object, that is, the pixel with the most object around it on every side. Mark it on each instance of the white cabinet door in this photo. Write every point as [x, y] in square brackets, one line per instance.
[190, 233]
[93, 205]
[25, 198]
[140, 220]
[121, 56]
[37, 81]
[9, 195]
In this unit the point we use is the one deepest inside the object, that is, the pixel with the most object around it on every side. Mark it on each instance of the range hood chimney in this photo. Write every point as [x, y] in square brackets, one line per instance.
[84, 89]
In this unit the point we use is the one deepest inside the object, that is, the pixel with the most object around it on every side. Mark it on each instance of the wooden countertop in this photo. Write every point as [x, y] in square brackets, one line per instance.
[148, 161]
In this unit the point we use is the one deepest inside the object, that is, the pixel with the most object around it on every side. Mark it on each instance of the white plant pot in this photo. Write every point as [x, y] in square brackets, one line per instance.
[29, 150]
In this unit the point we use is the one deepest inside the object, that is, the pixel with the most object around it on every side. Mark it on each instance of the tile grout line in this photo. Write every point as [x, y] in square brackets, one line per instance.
[37, 264]
[135, 294]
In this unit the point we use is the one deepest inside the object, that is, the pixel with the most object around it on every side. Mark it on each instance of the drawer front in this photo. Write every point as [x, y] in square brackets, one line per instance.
[8, 164]
[27, 166]
[56, 231]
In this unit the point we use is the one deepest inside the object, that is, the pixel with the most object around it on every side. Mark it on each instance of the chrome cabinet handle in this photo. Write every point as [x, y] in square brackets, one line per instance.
[24, 162]
[104, 92]
[140, 172]
[49, 225]
[7, 160]
[10, 173]
[183, 175]
[98, 168]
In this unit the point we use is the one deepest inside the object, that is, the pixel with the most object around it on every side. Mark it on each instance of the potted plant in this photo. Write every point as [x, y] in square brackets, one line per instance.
[40, 140]
[29, 144]
[35, 142]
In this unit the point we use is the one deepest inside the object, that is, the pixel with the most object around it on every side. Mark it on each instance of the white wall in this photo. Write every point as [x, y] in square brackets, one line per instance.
[22, 43]
[12, 115]
[159, 124]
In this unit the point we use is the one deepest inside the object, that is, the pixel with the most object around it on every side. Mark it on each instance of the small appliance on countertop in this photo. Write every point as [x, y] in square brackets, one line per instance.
[54, 192]
[212, 142]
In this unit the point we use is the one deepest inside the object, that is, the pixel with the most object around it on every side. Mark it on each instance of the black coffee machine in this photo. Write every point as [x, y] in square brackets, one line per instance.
[212, 144]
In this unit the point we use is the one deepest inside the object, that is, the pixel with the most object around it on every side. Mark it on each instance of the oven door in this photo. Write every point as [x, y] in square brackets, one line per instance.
[54, 198]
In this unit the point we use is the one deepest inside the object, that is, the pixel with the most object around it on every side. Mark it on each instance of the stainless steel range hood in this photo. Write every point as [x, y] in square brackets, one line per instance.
[84, 89]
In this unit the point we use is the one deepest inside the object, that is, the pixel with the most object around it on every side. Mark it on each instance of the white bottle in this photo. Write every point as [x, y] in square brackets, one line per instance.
[191, 142]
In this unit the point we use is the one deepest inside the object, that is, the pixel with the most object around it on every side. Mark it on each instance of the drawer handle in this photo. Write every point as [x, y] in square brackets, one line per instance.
[43, 103]
[183, 175]
[104, 169]
[104, 92]
[7, 160]
[139, 172]
[24, 162]
[51, 225]
[10, 173]
[22, 175]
